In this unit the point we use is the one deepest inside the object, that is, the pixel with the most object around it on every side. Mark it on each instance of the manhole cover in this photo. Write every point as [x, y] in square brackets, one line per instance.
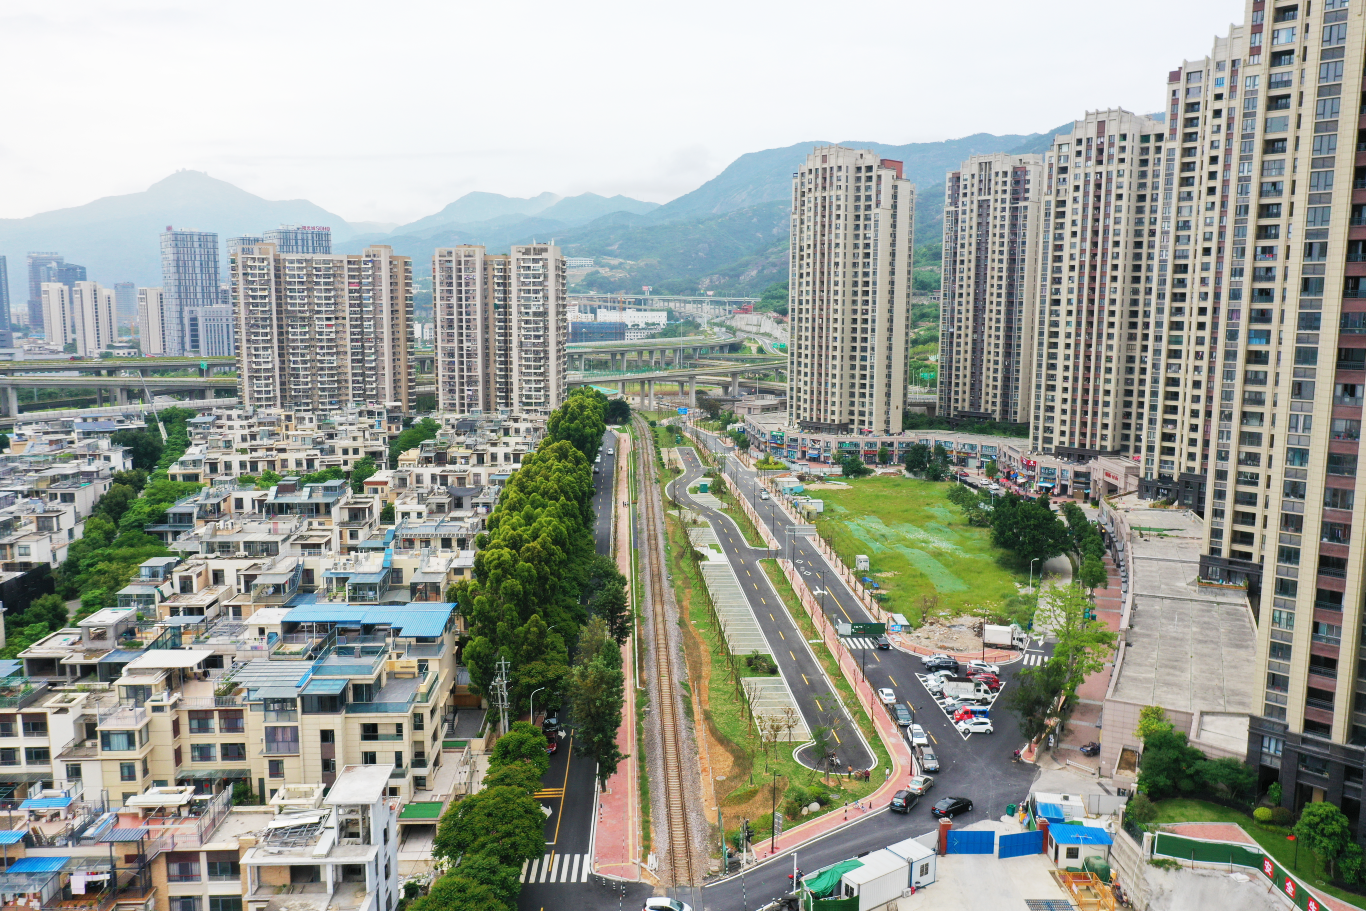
[720, 778]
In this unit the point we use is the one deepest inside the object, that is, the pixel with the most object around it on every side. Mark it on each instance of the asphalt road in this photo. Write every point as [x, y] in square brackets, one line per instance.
[561, 878]
[978, 767]
[816, 700]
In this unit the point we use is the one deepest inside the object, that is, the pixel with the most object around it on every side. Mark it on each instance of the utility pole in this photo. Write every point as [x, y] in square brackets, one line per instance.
[500, 693]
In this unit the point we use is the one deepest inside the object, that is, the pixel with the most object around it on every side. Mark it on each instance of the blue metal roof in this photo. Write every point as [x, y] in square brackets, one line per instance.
[418, 619]
[45, 803]
[11, 836]
[37, 865]
[1051, 812]
[325, 686]
[1080, 835]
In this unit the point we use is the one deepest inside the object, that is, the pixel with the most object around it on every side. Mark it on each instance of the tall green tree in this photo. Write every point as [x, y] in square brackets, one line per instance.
[1091, 574]
[1035, 697]
[1084, 645]
[146, 446]
[610, 604]
[411, 438]
[597, 695]
[917, 457]
[361, 470]
[1028, 528]
[1325, 830]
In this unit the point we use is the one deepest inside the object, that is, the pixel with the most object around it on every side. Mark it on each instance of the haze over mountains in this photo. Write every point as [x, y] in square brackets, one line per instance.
[728, 235]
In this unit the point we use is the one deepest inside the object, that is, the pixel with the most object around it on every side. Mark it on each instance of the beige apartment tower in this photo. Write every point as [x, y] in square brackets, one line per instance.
[323, 330]
[992, 229]
[1100, 261]
[80, 315]
[501, 328]
[853, 218]
[152, 322]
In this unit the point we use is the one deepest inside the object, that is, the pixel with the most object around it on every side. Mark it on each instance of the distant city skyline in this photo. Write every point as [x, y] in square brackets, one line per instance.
[719, 102]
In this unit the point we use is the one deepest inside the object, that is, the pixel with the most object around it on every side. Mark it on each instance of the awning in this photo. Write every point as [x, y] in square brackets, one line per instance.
[24, 777]
[37, 865]
[1044, 484]
[325, 686]
[12, 836]
[45, 803]
[126, 834]
[212, 774]
[272, 692]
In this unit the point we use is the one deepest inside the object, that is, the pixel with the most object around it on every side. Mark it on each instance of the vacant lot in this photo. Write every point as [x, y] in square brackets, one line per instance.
[923, 553]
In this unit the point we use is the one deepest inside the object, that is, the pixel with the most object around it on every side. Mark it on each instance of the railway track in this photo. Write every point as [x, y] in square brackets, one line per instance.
[682, 858]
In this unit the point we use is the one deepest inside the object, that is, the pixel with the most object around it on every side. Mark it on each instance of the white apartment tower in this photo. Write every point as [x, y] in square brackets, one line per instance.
[501, 328]
[1100, 262]
[81, 315]
[992, 206]
[152, 318]
[319, 331]
[852, 230]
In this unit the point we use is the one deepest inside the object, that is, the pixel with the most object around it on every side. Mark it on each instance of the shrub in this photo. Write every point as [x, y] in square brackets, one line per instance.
[1141, 810]
[1281, 816]
[1262, 815]
[1165, 863]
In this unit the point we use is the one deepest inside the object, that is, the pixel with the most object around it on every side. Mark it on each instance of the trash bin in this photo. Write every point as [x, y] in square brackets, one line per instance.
[1010, 809]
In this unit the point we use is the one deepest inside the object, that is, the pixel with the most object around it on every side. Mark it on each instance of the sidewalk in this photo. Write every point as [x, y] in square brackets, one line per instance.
[616, 841]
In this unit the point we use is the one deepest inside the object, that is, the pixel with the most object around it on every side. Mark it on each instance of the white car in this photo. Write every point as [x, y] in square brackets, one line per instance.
[609, 451]
[918, 737]
[983, 667]
[666, 904]
[975, 726]
[887, 696]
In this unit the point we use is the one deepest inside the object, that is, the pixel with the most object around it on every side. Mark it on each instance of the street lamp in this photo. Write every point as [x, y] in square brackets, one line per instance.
[1031, 574]
[533, 703]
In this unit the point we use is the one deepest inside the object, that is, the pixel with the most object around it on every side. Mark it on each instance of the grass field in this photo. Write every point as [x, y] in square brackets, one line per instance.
[1271, 838]
[923, 553]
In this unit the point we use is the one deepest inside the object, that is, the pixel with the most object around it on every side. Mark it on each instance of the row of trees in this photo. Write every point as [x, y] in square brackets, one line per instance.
[931, 464]
[483, 840]
[536, 574]
[1088, 545]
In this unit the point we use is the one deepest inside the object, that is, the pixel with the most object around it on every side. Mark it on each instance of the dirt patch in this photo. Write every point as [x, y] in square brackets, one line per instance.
[953, 634]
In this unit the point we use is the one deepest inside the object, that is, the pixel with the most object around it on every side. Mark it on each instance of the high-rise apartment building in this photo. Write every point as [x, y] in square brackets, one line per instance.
[152, 318]
[1270, 123]
[323, 330]
[6, 328]
[81, 316]
[300, 239]
[992, 230]
[189, 278]
[126, 303]
[501, 328]
[852, 230]
[48, 267]
[1099, 261]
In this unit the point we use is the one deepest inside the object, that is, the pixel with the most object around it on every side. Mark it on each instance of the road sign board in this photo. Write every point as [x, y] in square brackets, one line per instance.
[683, 411]
[893, 627]
[867, 629]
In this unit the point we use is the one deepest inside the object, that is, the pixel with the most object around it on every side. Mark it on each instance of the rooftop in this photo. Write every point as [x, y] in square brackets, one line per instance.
[359, 784]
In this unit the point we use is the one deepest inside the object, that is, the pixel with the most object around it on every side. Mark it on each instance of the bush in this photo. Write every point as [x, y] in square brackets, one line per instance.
[1262, 815]
[1281, 816]
[1141, 810]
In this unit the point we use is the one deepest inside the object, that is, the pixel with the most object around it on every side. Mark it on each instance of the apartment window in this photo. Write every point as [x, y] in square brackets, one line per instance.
[185, 903]
[225, 902]
[234, 752]
[230, 722]
[329, 765]
[1272, 746]
[34, 725]
[73, 771]
[275, 768]
[282, 740]
[203, 752]
[327, 736]
[368, 757]
[37, 756]
[223, 865]
[128, 771]
[182, 867]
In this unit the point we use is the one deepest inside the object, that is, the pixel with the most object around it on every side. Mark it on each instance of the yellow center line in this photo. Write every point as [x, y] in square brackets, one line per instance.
[893, 679]
[770, 616]
[794, 657]
[560, 815]
[808, 683]
[837, 737]
[763, 599]
[748, 573]
[879, 660]
[780, 633]
[932, 737]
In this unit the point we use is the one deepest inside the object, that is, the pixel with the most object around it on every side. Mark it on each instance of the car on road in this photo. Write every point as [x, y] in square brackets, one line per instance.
[887, 696]
[552, 744]
[920, 785]
[551, 723]
[763, 494]
[929, 762]
[941, 663]
[975, 726]
[609, 451]
[903, 715]
[918, 737]
[951, 806]
[884, 643]
[903, 801]
[660, 903]
[984, 667]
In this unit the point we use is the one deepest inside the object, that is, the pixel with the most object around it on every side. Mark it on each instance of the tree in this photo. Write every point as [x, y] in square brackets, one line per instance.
[1092, 574]
[1035, 696]
[991, 470]
[917, 457]
[852, 467]
[505, 823]
[146, 446]
[711, 405]
[459, 892]
[610, 604]
[1325, 830]
[1151, 720]
[360, 471]
[1229, 776]
[4, 442]
[597, 694]
[523, 742]
[740, 439]
[386, 514]
[414, 436]
[1083, 644]
[1030, 529]
[618, 412]
[115, 502]
[1169, 765]
[884, 455]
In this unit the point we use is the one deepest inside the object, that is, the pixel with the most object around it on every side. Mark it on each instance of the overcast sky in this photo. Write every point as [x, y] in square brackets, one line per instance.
[389, 110]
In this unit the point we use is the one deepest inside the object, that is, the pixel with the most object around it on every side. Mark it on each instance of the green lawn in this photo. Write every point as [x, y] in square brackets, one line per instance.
[1271, 838]
[907, 527]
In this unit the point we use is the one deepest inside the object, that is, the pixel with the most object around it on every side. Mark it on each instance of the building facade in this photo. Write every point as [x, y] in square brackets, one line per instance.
[48, 267]
[300, 239]
[152, 316]
[6, 327]
[189, 279]
[501, 328]
[1093, 264]
[324, 330]
[992, 231]
[852, 230]
[126, 303]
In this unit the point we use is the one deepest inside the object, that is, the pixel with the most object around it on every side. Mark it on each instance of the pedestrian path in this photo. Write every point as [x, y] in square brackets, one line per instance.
[1034, 659]
[557, 868]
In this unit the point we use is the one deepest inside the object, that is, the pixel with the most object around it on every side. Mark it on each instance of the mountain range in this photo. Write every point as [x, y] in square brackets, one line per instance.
[729, 235]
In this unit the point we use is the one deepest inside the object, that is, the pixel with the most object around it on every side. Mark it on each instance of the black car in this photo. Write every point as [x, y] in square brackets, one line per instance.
[941, 663]
[904, 801]
[951, 806]
[904, 716]
[884, 643]
[551, 723]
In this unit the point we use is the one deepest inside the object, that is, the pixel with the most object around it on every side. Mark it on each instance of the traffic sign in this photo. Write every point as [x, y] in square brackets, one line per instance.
[683, 411]
[867, 629]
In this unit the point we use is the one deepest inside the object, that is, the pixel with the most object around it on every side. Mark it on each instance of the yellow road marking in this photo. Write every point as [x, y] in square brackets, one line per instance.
[770, 616]
[748, 573]
[837, 737]
[780, 633]
[560, 815]
[763, 599]
[794, 657]
[932, 738]
[808, 683]
[893, 679]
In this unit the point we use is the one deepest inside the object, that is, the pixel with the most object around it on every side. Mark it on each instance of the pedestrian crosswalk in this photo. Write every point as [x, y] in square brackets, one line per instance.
[558, 868]
[857, 642]
[1033, 659]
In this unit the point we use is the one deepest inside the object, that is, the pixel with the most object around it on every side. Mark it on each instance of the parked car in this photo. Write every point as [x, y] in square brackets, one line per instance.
[551, 723]
[929, 762]
[975, 726]
[1090, 749]
[661, 903]
[552, 744]
[918, 737]
[887, 696]
[884, 643]
[989, 679]
[951, 806]
[609, 450]
[920, 785]
[941, 659]
[903, 801]
[903, 715]
[970, 711]
[983, 667]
